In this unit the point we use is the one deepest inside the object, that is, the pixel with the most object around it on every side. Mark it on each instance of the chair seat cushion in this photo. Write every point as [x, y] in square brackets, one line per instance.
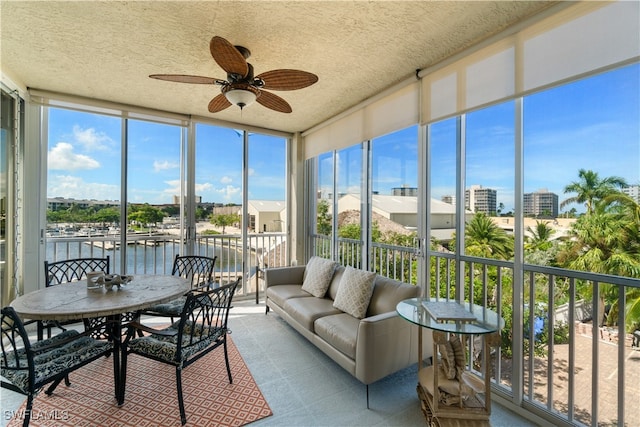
[53, 362]
[171, 308]
[164, 347]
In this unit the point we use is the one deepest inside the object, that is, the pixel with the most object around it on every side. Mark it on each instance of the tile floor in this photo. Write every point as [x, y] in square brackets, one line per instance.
[306, 388]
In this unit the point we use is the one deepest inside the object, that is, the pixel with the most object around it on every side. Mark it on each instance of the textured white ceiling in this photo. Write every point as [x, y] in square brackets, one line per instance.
[106, 50]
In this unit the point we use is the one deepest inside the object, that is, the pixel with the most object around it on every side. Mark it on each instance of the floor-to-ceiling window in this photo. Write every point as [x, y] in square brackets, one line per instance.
[241, 191]
[394, 204]
[156, 193]
[443, 205]
[349, 202]
[266, 202]
[581, 207]
[528, 199]
[215, 191]
[322, 216]
[11, 121]
[83, 185]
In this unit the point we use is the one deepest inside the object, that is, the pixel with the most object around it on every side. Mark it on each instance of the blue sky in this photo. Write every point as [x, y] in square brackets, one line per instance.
[84, 161]
[592, 124]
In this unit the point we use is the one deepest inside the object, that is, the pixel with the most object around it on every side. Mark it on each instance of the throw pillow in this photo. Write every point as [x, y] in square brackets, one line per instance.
[317, 276]
[448, 359]
[354, 292]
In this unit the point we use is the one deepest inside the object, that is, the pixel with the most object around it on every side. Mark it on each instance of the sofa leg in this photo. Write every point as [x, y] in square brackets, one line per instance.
[367, 396]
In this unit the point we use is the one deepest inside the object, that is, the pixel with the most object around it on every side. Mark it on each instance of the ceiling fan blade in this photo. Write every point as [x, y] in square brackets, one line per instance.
[228, 57]
[287, 79]
[219, 103]
[181, 78]
[273, 102]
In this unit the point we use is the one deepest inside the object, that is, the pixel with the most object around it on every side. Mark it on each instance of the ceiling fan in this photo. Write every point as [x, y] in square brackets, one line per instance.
[241, 87]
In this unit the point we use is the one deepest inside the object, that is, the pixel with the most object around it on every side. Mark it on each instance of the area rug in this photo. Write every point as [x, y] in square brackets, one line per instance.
[151, 396]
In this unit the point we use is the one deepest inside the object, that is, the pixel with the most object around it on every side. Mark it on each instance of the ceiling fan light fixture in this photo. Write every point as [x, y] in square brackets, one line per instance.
[240, 97]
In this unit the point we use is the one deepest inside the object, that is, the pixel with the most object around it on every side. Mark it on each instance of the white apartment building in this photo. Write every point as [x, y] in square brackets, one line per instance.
[480, 199]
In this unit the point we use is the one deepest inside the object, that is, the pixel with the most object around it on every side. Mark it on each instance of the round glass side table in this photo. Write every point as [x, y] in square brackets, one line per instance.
[445, 318]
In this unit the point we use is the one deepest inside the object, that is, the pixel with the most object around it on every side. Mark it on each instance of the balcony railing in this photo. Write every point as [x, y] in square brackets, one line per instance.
[574, 369]
[154, 254]
[396, 262]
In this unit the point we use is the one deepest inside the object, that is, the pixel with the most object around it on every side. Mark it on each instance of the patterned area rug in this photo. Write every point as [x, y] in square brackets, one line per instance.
[151, 397]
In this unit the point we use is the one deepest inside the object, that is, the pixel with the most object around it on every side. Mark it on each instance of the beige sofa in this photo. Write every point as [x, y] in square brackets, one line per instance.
[369, 348]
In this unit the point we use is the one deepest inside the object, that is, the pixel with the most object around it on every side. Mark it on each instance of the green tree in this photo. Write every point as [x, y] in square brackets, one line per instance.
[484, 238]
[107, 215]
[172, 210]
[323, 219]
[607, 240]
[145, 214]
[540, 237]
[224, 220]
[590, 189]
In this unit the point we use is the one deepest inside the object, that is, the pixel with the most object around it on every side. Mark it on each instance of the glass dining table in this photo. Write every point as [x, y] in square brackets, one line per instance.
[74, 300]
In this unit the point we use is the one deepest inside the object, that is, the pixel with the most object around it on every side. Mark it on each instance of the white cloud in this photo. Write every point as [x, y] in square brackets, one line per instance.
[76, 188]
[165, 165]
[63, 157]
[202, 188]
[226, 180]
[90, 139]
[228, 192]
[173, 187]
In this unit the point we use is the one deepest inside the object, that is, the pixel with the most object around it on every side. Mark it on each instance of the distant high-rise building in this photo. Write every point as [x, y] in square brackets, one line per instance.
[541, 203]
[404, 191]
[479, 199]
[632, 191]
[449, 199]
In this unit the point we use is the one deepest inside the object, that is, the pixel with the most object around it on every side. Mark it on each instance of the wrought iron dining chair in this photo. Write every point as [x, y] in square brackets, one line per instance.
[30, 366]
[198, 269]
[201, 329]
[71, 270]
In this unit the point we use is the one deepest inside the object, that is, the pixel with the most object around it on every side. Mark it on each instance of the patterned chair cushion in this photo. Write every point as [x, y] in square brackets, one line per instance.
[165, 347]
[354, 293]
[53, 361]
[171, 308]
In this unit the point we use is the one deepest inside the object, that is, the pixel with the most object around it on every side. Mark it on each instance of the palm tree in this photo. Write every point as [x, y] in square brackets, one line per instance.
[485, 239]
[590, 189]
[608, 241]
[540, 237]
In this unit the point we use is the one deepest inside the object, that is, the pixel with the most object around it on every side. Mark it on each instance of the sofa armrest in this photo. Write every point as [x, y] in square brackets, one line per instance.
[384, 346]
[292, 275]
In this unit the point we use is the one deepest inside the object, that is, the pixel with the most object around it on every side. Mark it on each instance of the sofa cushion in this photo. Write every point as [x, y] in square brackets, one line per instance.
[354, 293]
[280, 293]
[387, 293]
[340, 331]
[317, 276]
[306, 311]
[335, 283]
